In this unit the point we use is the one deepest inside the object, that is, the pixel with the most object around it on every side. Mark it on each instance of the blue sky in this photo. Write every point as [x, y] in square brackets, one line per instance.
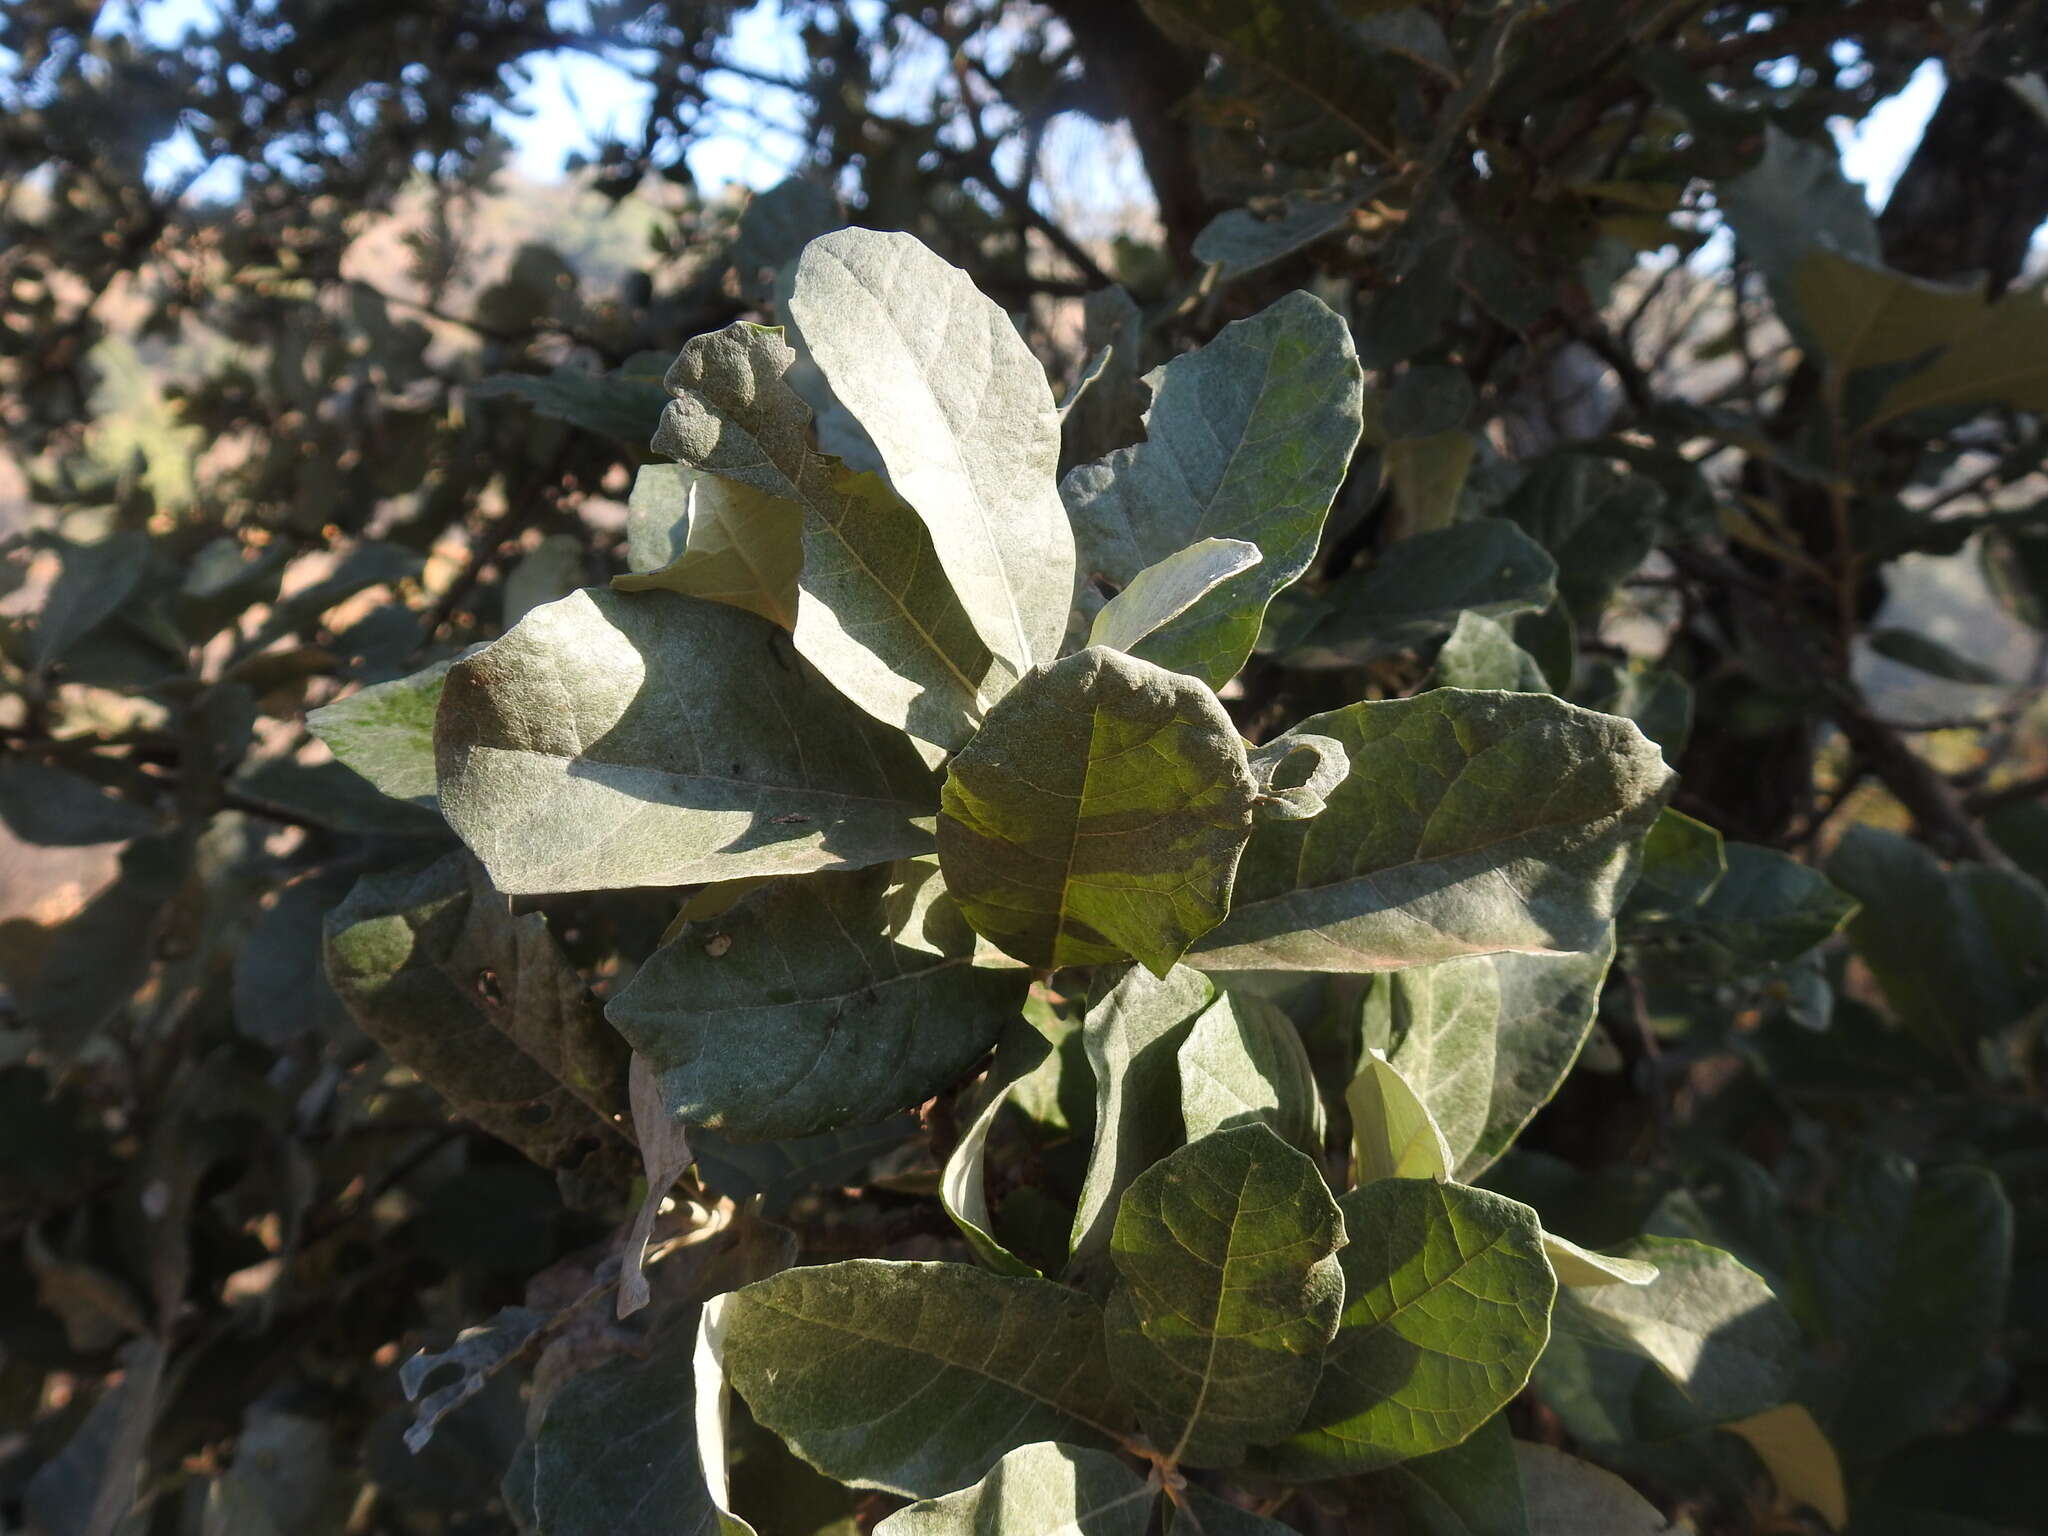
[573, 101]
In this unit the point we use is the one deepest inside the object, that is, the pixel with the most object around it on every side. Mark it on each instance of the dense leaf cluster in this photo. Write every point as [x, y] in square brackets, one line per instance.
[1292, 877]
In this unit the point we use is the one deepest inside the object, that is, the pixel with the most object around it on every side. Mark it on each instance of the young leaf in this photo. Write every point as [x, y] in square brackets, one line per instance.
[1243, 1064]
[1038, 1490]
[1469, 823]
[963, 419]
[1472, 1488]
[876, 613]
[1799, 1458]
[918, 1378]
[1164, 591]
[1903, 1281]
[1683, 861]
[433, 966]
[1721, 1344]
[1444, 1024]
[1565, 1496]
[1247, 438]
[385, 732]
[1574, 1265]
[722, 540]
[845, 1021]
[1099, 813]
[1393, 1134]
[1446, 1308]
[1418, 587]
[615, 739]
[962, 1190]
[1132, 1035]
[1482, 654]
[1229, 1291]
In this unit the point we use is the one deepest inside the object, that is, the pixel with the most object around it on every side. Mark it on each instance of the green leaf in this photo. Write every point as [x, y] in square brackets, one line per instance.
[1427, 475]
[1247, 438]
[1418, 588]
[963, 419]
[875, 612]
[385, 732]
[1296, 774]
[1597, 523]
[1683, 861]
[1903, 1281]
[780, 1171]
[1100, 813]
[918, 1378]
[1132, 1034]
[962, 1188]
[615, 739]
[1482, 654]
[617, 1452]
[1038, 1490]
[1393, 1134]
[706, 536]
[1470, 1489]
[1659, 702]
[94, 582]
[1991, 353]
[1243, 1064]
[52, 808]
[1163, 592]
[1229, 1290]
[1547, 1003]
[1768, 909]
[1569, 1497]
[1925, 654]
[1578, 1266]
[1444, 1021]
[433, 966]
[623, 405]
[1203, 1514]
[1469, 823]
[1721, 1344]
[846, 1020]
[1241, 242]
[1428, 400]
[101, 955]
[1446, 1308]
[1794, 201]
[1957, 951]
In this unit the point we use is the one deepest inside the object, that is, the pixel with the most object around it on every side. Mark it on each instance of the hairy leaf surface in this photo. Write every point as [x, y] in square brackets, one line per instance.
[1037, 1490]
[722, 540]
[1243, 1064]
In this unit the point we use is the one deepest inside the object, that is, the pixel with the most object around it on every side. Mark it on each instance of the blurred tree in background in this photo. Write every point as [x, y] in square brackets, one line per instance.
[329, 393]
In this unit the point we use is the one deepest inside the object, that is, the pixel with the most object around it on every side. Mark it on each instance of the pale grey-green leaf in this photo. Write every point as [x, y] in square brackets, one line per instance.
[1228, 1293]
[1445, 1021]
[1470, 823]
[918, 1378]
[1446, 1308]
[1569, 1497]
[385, 732]
[1574, 1265]
[873, 611]
[1296, 774]
[620, 739]
[844, 1018]
[1547, 1008]
[1482, 654]
[1132, 1035]
[1393, 1134]
[706, 536]
[963, 1189]
[1243, 1063]
[1099, 813]
[1247, 438]
[1038, 1490]
[1164, 591]
[963, 419]
[1239, 242]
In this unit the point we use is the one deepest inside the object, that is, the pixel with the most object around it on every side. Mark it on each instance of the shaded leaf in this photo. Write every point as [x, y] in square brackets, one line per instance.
[1037, 1490]
[1418, 588]
[1428, 476]
[1228, 1292]
[1768, 909]
[1243, 1063]
[962, 417]
[1099, 813]
[1132, 1034]
[1446, 1307]
[89, 1487]
[962, 1189]
[94, 582]
[52, 808]
[1443, 1025]
[1218, 1518]
[1473, 1488]
[779, 1171]
[707, 536]
[336, 797]
[1598, 523]
[385, 732]
[664, 1157]
[1799, 1459]
[1241, 241]
[1683, 860]
[1546, 1012]
[1482, 654]
[433, 966]
[477, 1355]
[1923, 653]
[102, 954]
[846, 1017]
[623, 405]
[1164, 591]
[1469, 823]
[591, 748]
[1569, 1497]
[918, 1378]
[873, 611]
[1247, 438]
